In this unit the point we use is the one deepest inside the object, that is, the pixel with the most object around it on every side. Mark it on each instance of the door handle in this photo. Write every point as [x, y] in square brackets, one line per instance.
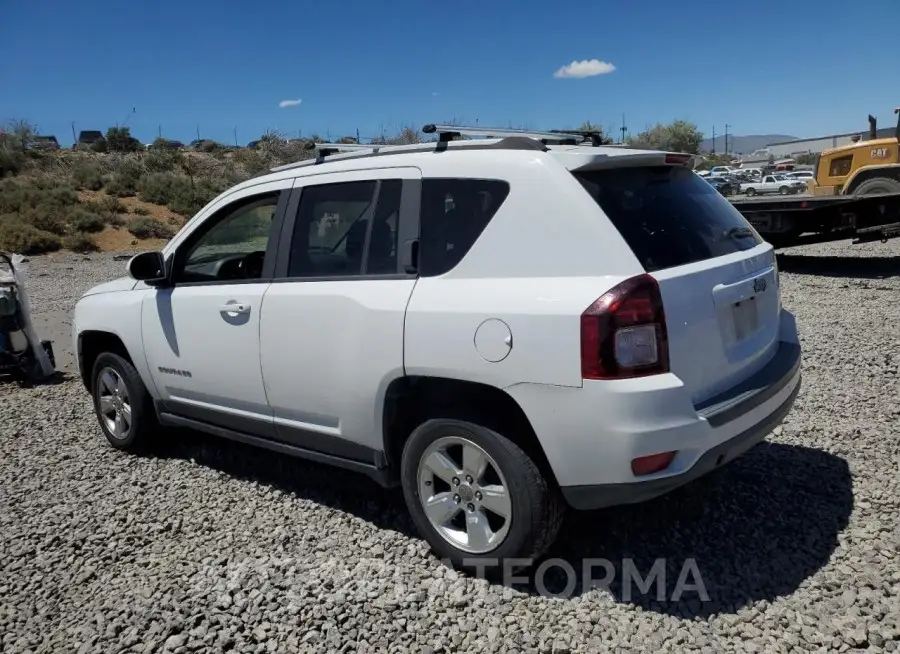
[236, 307]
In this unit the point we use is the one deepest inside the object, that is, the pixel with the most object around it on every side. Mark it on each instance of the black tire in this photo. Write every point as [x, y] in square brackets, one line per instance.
[784, 190]
[751, 191]
[143, 419]
[537, 505]
[878, 186]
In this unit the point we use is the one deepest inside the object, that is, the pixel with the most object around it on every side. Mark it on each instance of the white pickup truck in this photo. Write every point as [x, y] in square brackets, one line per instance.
[774, 184]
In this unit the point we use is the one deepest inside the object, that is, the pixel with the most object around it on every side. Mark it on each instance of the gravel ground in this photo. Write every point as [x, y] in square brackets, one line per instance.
[210, 546]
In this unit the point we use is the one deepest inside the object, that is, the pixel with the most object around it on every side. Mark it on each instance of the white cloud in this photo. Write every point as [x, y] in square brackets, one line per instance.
[289, 103]
[435, 93]
[585, 68]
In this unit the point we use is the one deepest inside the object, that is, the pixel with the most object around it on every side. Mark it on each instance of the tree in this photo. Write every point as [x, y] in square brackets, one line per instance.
[119, 139]
[19, 134]
[679, 136]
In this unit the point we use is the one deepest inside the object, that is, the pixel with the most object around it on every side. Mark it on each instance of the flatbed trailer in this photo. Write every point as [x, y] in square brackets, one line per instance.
[791, 220]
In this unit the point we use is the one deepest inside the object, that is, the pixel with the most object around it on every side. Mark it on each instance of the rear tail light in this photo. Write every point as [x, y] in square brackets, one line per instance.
[623, 333]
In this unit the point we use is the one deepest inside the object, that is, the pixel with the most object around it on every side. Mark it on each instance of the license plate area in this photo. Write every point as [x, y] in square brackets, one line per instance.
[745, 315]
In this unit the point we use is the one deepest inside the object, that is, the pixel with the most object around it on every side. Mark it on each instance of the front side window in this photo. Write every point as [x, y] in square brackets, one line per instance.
[231, 245]
[346, 229]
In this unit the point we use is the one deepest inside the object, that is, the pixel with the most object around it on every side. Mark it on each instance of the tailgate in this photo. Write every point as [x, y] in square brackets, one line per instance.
[722, 318]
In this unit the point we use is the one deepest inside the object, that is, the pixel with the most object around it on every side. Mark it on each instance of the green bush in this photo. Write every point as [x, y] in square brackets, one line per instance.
[251, 161]
[79, 242]
[11, 161]
[115, 219]
[121, 186]
[84, 221]
[23, 238]
[140, 211]
[47, 219]
[150, 228]
[100, 146]
[163, 188]
[189, 200]
[17, 197]
[61, 196]
[112, 204]
[162, 160]
[87, 176]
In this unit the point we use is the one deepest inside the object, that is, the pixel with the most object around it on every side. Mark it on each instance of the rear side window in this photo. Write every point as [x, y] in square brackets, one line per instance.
[668, 215]
[454, 213]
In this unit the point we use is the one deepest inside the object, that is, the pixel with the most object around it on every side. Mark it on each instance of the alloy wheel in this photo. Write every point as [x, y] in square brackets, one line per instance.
[114, 403]
[464, 494]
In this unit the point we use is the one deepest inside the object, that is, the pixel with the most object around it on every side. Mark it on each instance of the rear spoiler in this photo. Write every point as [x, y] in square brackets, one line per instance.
[645, 158]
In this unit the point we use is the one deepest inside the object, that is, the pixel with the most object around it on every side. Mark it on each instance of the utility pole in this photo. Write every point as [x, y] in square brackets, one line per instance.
[159, 131]
[235, 136]
[74, 138]
[714, 140]
[726, 137]
[623, 129]
[198, 132]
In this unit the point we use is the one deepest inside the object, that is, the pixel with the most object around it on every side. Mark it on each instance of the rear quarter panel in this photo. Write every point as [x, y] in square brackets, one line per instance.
[546, 255]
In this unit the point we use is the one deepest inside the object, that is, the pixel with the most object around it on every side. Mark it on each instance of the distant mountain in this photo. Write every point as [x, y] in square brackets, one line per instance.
[744, 144]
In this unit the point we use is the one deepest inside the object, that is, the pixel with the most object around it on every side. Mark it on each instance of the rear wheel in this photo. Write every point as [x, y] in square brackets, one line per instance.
[878, 186]
[476, 496]
[122, 403]
[784, 190]
[751, 191]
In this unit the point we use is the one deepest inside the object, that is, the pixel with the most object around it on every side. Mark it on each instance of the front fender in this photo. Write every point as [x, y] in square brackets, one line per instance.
[119, 314]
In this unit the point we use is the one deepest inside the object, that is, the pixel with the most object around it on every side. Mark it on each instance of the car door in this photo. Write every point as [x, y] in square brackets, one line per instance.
[201, 329]
[768, 185]
[332, 321]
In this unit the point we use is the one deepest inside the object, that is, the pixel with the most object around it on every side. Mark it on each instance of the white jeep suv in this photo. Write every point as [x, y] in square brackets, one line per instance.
[501, 326]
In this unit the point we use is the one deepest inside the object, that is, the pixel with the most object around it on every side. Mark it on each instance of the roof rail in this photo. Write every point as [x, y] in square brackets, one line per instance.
[325, 149]
[451, 132]
[512, 140]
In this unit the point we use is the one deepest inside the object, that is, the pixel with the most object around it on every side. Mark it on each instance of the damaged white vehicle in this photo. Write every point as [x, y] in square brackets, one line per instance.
[22, 354]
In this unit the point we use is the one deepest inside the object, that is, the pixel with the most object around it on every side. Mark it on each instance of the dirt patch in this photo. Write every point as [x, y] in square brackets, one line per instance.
[119, 239]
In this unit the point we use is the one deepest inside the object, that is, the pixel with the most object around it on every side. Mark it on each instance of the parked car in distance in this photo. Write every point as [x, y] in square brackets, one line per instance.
[722, 185]
[721, 170]
[774, 184]
[367, 310]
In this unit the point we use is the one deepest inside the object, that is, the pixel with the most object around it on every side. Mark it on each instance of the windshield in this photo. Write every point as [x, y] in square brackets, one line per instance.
[668, 216]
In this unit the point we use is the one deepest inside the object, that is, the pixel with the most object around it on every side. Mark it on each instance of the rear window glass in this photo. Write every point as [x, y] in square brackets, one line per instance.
[668, 215]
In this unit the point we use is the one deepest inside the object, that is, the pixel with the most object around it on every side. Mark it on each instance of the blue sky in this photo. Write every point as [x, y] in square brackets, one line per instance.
[369, 65]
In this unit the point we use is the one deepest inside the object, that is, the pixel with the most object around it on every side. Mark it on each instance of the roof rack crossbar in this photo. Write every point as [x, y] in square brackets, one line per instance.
[451, 132]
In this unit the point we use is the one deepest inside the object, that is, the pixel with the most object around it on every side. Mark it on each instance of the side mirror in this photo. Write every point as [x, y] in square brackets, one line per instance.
[148, 267]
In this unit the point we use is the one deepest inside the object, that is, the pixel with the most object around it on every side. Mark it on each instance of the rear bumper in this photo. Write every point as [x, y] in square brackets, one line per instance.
[591, 434]
[602, 495]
